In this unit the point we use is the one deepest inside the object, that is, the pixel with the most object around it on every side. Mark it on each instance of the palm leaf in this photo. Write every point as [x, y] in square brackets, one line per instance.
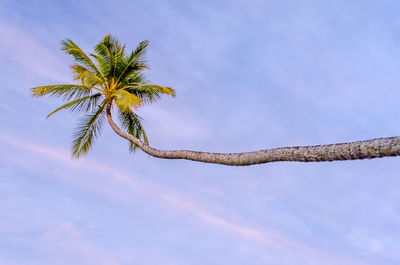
[119, 58]
[150, 93]
[67, 91]
[109, 54]
[87, 77]
[159, 89]
[80, 104]
[134, 62]
[87, 131]
[126, 101]
[134, 79]
[71, 48]
[103, 57]
[132, 124]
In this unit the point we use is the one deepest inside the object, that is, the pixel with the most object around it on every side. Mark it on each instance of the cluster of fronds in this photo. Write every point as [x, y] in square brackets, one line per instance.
[109, 75]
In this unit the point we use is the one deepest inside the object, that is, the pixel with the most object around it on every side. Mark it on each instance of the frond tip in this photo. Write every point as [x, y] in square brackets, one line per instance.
[88, 130]
[69, 47]
[85, 104]
[131, 122]
[66, 91]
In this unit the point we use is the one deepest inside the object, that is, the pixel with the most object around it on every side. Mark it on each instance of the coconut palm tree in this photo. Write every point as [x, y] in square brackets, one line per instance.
[112, 79]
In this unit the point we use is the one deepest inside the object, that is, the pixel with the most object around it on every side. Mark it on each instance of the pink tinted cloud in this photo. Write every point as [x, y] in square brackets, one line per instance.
[63, 240]
[270, 239]
[28, 52]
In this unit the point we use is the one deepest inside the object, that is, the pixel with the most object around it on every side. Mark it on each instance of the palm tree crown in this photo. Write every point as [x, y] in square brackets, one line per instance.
[108, 76]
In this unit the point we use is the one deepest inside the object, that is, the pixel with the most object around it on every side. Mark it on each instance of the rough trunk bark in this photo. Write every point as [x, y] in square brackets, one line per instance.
[368, 149]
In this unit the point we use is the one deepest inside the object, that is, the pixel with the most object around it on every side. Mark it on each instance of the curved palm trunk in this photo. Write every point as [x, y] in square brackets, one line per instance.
[374, 148]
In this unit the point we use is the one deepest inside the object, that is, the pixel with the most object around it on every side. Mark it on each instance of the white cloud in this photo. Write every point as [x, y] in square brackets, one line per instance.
[63, 241]
[108, 178]
[366, 242]
[19, 46]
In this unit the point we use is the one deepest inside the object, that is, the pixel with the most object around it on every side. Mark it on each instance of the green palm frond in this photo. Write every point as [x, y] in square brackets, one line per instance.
[85, 76]
[66, 91]
[88, 130]
[110, 54]
[140, 50]
[135, 61]
[81, 104]
[132, 124]
[135, 78]
[156, 88]
[104, 59]
[120, 63]
[126, 101]
[71, 48]
[150, 93]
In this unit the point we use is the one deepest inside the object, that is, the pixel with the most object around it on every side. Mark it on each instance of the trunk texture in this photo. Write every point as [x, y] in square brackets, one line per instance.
[368, 149]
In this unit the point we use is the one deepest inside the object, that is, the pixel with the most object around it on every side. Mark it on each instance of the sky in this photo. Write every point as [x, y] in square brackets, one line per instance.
[248, 75]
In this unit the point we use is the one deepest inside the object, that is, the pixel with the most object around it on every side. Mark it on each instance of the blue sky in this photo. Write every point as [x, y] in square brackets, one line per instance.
[248, 75]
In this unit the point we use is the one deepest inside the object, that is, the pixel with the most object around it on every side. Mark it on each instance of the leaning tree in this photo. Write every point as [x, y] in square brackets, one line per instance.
[110, 80]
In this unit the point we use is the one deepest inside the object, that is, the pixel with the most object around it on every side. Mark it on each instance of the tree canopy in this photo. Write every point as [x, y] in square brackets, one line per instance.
[108, 75]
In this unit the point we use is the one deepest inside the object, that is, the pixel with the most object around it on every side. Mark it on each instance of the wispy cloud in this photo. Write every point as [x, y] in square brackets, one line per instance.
[19, 46]
[366, 241]
[269, 239]
[63, 240]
